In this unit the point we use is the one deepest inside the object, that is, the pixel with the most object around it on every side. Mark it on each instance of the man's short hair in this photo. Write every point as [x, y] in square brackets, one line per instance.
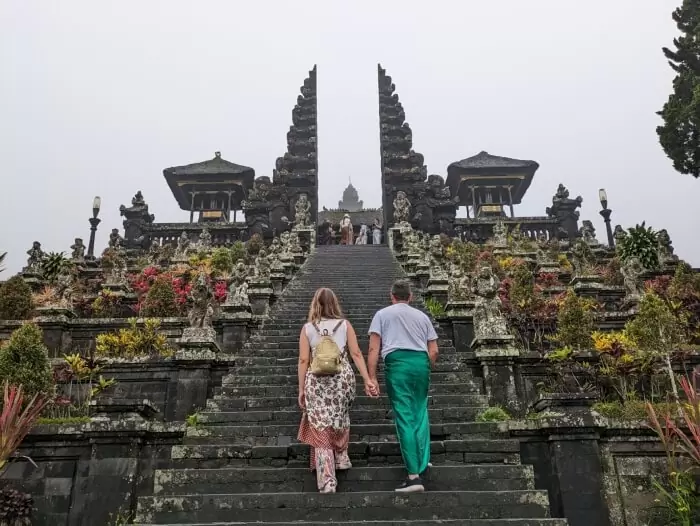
[401, 290]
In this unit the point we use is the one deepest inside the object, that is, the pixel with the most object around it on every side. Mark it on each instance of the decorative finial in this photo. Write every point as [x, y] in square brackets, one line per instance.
[217, 155]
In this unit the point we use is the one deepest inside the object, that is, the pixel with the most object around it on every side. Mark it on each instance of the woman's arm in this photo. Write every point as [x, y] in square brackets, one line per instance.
[304, 354]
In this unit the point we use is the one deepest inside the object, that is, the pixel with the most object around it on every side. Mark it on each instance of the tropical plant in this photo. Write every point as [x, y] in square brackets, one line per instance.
[17, 418]
[679, 134]
[161, 299]
[134, 341]
[641, 242]
[79, 382]
[53, 265]
[238, 252]
[575, 322]
[435, 308]
[15, 507]
[15, 299]
[493, 414]
[107, 304]
[24, 360]
[47, 296]
[657, 331]
[221, 260]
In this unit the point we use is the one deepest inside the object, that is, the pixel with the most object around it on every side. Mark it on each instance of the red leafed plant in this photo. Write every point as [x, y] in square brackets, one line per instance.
[16, 420]
[220, 291]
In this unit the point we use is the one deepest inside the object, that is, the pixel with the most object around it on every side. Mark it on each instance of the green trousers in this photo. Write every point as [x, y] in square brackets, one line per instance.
[407, 382]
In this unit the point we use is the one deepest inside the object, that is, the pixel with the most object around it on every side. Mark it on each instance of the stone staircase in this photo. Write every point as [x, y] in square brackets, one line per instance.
[241, 464]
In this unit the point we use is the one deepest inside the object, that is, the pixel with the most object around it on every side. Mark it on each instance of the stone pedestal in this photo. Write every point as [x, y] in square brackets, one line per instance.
[260, 292]
[423, 274]
[197, 351]
[307, 238]
[496, 356]
[235, 323]
[34, 279]
[54, 322]
[548, 267]
[277, 279]
[437, 287]
[587, 286]
[461, 316]
[394, 238]
[288, 266]
[299, 259]
[118, 288]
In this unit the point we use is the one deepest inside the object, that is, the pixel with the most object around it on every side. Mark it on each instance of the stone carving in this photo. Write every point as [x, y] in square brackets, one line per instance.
[183, 246]
[583, 258]
[262, 265]
[205, 240]
[238, 290]
[620, 235]
[275, 248]
[78, 251]
[36, 257]
[459, 285]
[402, 209]
[564, 210]
[666, 250]
[154, 252]
[437, 253]
[500, 234]
[302, 215]
[116, 241]
[294, 245]
[114, 261]
[631, 270]
[136, 219]
[64, 289]
[201, 301]
[587, 232]
[489, 322]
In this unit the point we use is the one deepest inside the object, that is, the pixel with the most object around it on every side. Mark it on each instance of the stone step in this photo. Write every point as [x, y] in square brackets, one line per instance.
[265, 507]
[265, 390]
[280, 357]
[372, 453]
[357, 416]
[291, 348]
[277, 370]
[465, 379]
[436, 522]
[286, 480]
[361, 402]
[284, 434]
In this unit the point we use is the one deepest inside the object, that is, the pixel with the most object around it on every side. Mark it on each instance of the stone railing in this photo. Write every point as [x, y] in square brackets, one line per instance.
[221, 233]
[481, 230]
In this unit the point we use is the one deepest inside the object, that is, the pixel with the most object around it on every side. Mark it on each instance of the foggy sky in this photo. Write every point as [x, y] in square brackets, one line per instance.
[96, 98]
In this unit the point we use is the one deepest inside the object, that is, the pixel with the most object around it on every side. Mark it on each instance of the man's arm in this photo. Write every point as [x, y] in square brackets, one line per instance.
[375, 344]
[433, 351]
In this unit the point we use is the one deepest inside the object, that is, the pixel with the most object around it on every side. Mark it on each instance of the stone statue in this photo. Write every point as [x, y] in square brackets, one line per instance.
[116, 241]
[154, 252]
[36, 257]
[114, 260]
[294, 245]
[583, 258]
[362, 237]
[64, 289]
[238, 290]
[285, 244]
[346, 231]
[201, 300]
[516, 237]
[665, 247]
[587, 232]
[437, 253]
[500, 234]
[564, 210]
[275, 247]
[631, 270]
[262, 265]
[458, 287]
[620, 235]
[183, 246]
[489, 322]
[78, 251]
[402, 208]
[205, 240]
[302, 212]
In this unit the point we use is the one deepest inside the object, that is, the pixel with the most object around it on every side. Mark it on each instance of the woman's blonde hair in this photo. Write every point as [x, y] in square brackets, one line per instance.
[324, 305]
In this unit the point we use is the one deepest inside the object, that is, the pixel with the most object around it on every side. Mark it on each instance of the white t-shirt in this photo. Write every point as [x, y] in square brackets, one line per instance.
[400, 326]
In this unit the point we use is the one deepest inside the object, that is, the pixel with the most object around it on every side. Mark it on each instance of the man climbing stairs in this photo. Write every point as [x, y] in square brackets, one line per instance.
[242, 465]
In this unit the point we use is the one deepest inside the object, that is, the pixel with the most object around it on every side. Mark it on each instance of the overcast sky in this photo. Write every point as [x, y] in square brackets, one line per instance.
[96, 98]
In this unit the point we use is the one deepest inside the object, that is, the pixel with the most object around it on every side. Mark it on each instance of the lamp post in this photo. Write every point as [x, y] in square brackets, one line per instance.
[94, 221]
[605, 212]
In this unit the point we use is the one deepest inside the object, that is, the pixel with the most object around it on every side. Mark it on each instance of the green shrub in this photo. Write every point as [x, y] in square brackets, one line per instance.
[134, 342]
[15, 299]
[221, 260]
[641, 242]
[254, 244]
[24, 360]
[53, 265]
[493, 414]
[161, 299]
[435, 308]
[575, 322]
[238, 252]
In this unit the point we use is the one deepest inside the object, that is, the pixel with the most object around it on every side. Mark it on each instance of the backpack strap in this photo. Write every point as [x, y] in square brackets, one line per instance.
[337, 326]
[318, 329]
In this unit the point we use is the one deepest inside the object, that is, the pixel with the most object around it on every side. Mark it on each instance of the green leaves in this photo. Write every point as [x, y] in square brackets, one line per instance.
[53, 265]
[641, 242]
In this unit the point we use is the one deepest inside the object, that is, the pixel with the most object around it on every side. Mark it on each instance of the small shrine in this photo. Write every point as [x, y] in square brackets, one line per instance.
[351, 200]
[486, 183]
[214, 188]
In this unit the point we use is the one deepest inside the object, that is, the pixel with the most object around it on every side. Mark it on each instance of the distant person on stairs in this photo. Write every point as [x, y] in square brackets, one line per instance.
[325, 395]
[408, 344]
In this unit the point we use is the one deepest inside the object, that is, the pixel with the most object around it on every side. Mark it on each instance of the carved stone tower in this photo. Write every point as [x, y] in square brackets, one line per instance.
[351, 200]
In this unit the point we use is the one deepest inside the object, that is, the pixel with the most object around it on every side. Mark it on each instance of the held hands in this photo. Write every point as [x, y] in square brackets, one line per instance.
[302, 401]
[372, 388]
